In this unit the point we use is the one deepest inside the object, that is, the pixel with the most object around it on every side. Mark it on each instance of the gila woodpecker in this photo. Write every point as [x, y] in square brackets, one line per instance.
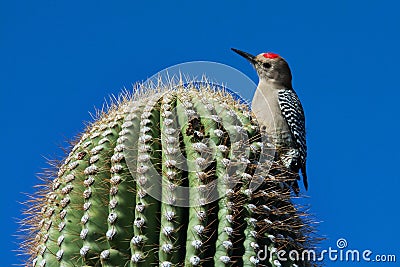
[279, 111]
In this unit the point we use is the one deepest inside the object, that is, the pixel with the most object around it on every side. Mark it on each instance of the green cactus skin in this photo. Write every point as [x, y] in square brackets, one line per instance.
[102, 208]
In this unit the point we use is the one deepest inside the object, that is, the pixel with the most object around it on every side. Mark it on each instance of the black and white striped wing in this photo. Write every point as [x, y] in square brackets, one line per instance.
[293, 112]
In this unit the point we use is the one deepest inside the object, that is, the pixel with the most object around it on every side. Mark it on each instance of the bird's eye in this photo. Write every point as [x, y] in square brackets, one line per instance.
[266, 65]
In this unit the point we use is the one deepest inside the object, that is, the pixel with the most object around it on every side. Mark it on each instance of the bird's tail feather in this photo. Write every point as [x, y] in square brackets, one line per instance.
[304, 174]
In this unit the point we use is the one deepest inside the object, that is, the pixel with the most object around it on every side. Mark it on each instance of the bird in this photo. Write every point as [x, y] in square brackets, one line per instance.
[279, 111]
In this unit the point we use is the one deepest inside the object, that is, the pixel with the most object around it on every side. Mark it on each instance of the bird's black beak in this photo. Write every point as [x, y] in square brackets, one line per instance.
[247, 56]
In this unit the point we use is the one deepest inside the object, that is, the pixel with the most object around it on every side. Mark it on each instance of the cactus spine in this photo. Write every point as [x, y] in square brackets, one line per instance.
[165, 178]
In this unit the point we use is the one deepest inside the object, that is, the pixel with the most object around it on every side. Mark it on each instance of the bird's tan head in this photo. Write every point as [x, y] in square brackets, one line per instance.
[270, 67]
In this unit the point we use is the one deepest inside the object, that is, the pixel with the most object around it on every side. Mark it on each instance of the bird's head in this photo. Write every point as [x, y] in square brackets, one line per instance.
[270, 67]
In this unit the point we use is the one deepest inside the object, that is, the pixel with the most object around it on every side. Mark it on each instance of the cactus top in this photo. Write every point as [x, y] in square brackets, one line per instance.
[174, 176]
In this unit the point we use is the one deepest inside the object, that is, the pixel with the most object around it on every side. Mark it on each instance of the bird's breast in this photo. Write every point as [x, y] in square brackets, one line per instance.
[266, 108]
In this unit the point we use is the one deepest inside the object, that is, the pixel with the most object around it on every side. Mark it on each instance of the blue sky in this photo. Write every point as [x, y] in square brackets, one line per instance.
[59, 59]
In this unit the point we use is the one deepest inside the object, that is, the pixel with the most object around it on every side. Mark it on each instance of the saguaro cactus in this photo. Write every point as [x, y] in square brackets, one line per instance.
[168, 177]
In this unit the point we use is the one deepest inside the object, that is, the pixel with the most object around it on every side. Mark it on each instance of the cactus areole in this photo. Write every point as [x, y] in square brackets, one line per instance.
[168, 176]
